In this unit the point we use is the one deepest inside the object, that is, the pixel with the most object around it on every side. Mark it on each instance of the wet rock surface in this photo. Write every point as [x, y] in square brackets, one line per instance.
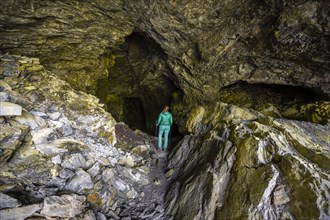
[66, 157]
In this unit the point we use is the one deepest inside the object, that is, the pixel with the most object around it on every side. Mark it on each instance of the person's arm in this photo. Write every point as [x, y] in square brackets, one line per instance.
[159, 119]
[171, 120]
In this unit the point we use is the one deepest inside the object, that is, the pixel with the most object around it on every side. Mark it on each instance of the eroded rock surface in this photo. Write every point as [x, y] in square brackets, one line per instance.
[206, 44]
[240, 164]
[62, 159]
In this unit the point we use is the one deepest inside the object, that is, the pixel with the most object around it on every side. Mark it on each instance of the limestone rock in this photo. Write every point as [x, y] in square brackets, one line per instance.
[94, 170]
[169, 173]
[88, 215]
[42, 136]
[141, 150]
[80, 181]
[101, 216]
[8, 202]
[50, 149]
[30, 120]
[247, 157]
[10, 109]
[57, 147]
[66, 174]
[4, 97]
[11, 139]
[54, 115]
[128, 161]
[57, 159]
[76, 161]
[19, 213]
[107, 174]
[65, 206]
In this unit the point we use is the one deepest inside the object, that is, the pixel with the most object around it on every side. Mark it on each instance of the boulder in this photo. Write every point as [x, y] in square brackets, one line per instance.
[76, 161]
[127, 161]
[141, 150]
[42, 136]
[10, 109]
[80, 181]
[65, 206]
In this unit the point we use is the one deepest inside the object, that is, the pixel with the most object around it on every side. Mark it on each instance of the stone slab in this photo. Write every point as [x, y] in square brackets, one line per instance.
[19, 213]
[10, 109]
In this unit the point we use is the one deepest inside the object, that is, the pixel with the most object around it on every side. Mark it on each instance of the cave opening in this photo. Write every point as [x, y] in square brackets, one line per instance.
[281, 95]
[139, 84]
[283, 101]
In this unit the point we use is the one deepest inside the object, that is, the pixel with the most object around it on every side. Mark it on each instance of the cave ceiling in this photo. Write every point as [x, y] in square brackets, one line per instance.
[207, 45]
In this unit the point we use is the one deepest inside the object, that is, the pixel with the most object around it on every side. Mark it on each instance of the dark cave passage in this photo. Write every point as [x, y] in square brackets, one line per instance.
[279, 101]
[280, 95]
[133, 114]
[139, 84]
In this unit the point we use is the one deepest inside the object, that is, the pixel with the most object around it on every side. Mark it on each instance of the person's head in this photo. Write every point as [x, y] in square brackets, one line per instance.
[166, 108]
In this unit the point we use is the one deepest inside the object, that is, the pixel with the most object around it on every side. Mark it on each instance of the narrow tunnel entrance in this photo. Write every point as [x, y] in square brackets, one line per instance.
[139, 84]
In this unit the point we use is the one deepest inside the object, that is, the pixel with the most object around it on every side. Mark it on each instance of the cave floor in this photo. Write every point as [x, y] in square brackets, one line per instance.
[151, 205]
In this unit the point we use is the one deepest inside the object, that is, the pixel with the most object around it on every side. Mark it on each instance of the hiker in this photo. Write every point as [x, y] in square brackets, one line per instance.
[164, 122]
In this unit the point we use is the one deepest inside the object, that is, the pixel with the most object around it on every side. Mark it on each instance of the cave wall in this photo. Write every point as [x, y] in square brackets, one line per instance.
[72, 38]
[208, 44]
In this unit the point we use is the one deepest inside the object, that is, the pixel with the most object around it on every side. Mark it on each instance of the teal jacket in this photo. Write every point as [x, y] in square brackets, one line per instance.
[165, 118]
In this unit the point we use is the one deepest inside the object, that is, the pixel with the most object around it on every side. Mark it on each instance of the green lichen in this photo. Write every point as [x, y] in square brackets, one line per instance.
[108, 135]
[239, 98]
[35, 68]
[318, 112]
[194, 117]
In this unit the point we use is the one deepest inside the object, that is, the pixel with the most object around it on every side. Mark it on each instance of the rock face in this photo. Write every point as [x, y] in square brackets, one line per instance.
[207, 45]
[240, 164]
[64, 25]
[61, 158]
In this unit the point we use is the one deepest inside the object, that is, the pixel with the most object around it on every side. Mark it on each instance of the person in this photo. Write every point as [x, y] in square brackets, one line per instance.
[164, 122]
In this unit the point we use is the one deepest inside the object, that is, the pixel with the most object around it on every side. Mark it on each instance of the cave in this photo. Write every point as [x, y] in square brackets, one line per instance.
[139, 84]
[247, 83]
